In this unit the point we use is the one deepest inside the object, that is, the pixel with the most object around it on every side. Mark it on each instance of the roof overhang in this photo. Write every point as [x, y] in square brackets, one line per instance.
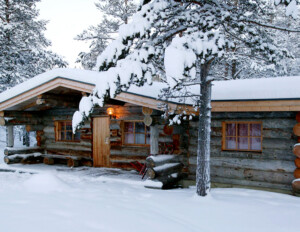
[46, 87]
[146, 101]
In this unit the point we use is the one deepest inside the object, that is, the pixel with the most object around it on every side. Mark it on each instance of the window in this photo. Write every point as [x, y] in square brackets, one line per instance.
[63, 132]
[242, 136]
[136, 133]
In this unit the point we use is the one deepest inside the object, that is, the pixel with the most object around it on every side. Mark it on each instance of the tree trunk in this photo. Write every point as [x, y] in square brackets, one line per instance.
[203, 151]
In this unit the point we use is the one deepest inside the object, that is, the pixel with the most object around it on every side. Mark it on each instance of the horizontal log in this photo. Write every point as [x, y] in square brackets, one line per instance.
[13, 151]
[122, 165]
[164, 170]
[50, 160]
[67, 152]
[86, 143]
[254, 175]
[127, 158]
[67, 146]
[253, 115]
[34, 128]
[12, 160]
[88, 163]
[24, 159]
[275, 133]
[267, 143]
[19, 121]
[266, 154]
[126, 150]
[249, 183]
[154, 161]
[265, 165]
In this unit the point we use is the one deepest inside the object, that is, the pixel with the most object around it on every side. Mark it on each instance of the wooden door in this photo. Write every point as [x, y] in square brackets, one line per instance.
[101, 142]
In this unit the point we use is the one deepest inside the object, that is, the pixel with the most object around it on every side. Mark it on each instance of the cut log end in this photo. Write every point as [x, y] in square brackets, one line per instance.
[296, 150]
[296, 129]
[73, 163]
[297, 173]
[48, 161]
[151, 173]
[297, 162]
[296, 186]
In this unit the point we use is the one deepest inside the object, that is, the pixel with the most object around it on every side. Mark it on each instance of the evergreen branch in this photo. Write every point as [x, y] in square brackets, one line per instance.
[271, 26]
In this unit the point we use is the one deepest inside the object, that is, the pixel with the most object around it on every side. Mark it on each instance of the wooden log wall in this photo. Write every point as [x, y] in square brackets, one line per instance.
[272, 168]
[121, 155]
[47, 137]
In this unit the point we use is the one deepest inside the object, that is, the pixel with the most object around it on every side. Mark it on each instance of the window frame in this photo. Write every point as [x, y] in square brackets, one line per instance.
[236, 135]
[134, 144]
[58, 132]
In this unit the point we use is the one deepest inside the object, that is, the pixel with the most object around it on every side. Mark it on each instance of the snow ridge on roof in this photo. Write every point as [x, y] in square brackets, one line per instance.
[85, 76]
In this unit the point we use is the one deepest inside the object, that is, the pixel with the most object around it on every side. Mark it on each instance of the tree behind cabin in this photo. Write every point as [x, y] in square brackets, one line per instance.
[115, 13]
[23, 46]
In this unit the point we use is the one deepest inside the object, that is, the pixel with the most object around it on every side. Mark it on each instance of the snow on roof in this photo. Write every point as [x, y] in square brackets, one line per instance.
[244, 89]
[257, 89]
[85, 76]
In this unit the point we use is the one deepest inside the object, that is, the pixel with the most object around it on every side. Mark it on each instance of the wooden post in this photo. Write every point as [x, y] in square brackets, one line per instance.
[10, 136]
[154, 134]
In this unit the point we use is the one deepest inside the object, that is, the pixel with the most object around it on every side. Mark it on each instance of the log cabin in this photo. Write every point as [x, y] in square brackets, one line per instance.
[254, 130]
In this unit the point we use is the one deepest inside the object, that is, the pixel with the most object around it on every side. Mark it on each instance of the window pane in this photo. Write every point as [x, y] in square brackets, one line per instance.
[255, 129]
[62, 136]
[148, 139]
[230, 129]
[69, 135]
[243, 129]
[129, 138]
[139, 138]
[69, 126]
[255, 143]
[129, 126]
[139, 127]
[77, 136]
[230, 143]
[62, 126]
[243, 143]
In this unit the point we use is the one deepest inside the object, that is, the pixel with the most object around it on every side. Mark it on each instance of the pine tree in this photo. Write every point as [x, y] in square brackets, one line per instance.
[23, 46]
[115, 13]
[182, 41]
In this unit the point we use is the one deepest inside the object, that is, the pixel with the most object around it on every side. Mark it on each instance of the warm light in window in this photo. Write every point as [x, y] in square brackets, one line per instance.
[110, 111]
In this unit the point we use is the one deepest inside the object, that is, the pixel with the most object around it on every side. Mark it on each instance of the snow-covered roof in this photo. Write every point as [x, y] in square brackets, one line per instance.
[83, 76]
[245, 89]
[257, 89]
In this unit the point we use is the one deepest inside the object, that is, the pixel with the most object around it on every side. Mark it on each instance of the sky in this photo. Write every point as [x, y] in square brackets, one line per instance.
[68, 18]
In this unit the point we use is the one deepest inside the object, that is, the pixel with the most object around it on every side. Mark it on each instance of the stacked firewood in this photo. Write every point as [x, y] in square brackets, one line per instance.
[31, 155]
[36, 155]
[165, 168]
[296, 151]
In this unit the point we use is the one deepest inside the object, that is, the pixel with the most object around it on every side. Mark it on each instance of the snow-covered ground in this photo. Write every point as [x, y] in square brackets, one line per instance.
[57, 198]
